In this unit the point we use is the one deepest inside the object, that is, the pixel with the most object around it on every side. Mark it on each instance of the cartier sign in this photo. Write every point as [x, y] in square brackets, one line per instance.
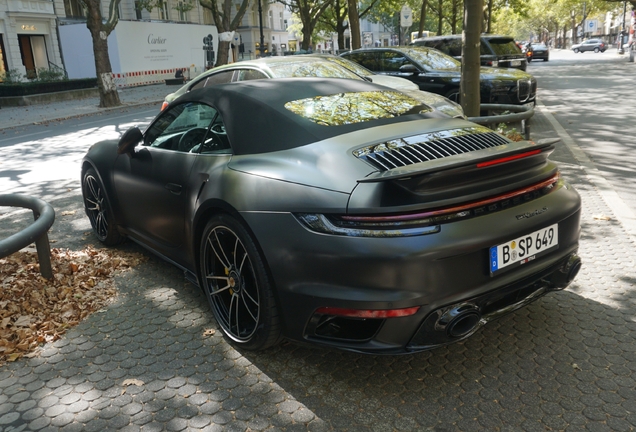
[29, 27]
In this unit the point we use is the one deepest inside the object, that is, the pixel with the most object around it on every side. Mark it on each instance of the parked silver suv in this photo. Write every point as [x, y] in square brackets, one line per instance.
[595, 45]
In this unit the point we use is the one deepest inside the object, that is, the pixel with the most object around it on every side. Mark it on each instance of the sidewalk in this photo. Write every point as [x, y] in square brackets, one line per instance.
[34, 114]
[566, 362]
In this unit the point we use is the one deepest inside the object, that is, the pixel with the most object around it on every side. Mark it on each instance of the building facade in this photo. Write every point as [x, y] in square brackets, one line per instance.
[28, 37]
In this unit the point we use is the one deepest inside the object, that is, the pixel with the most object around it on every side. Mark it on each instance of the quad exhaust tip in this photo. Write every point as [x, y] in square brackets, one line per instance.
[459, 321]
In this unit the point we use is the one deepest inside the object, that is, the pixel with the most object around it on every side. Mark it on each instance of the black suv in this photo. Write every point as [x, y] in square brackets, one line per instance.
[496, 50]
[436, 72]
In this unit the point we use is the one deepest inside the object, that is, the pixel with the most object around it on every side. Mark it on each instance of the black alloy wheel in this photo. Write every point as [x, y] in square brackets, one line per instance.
[98, 210]
[237, 285]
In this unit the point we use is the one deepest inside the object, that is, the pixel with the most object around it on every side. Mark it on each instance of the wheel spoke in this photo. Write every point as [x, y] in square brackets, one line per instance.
[240, 267]
[230, 312]
[250, 297]
[238, 329]
[248, 308]
[225, 263]
[91, 187]
[236, 245]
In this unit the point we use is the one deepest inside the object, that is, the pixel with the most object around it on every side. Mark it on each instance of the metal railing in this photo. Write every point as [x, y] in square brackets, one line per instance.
[44, 216]
[514, 114]
[58, 68]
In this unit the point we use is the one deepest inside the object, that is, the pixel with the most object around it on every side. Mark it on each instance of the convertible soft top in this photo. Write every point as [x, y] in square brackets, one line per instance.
[257, 121]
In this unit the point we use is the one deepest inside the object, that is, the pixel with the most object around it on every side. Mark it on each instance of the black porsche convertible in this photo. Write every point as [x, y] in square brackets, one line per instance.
[338, 212]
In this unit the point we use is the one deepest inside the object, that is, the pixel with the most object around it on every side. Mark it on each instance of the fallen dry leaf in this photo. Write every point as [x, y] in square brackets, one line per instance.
[132, 381]
[68, 213]
[602, 217]
[35, 310]
[209, 332]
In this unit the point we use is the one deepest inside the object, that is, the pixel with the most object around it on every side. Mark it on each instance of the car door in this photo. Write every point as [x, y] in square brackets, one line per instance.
[152, 183]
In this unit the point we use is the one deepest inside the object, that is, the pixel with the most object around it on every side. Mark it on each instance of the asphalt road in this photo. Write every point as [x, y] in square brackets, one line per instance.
[593, 97]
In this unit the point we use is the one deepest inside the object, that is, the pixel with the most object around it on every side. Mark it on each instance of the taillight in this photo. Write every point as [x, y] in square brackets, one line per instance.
[507, 159]
[164, 105]
[368, 313]
[423, 222]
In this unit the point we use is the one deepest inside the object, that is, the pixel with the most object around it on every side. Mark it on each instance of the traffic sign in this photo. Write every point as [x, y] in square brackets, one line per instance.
[406, 16]
[591, 26]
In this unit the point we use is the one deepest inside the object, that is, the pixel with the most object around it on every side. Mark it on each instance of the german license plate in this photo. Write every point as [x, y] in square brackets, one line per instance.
[515, 63]
[524, 249]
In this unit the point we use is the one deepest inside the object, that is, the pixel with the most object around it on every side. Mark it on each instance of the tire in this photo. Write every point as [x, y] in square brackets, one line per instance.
[597, 50]
[576, 50]
[546, 59]
[237, 285]
[98, 209]
[529, 59]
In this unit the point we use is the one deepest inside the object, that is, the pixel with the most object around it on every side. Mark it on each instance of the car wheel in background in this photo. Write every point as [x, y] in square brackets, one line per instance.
[237, 284]
[453, 95]
[596, 50]
[98, 210]
[576, 50]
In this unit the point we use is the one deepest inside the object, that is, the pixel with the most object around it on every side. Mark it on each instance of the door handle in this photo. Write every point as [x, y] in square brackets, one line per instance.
[174, 188]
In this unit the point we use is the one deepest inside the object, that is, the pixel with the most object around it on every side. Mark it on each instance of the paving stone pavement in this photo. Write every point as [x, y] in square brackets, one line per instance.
[565, 362]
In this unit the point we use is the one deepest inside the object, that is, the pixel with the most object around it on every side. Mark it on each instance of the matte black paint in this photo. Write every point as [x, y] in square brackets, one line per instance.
[310, 269]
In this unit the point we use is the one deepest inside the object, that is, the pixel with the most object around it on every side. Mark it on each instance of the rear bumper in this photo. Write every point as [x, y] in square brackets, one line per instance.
[437, 272]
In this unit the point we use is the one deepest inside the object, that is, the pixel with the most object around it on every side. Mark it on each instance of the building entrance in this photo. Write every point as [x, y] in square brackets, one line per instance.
[33, 52]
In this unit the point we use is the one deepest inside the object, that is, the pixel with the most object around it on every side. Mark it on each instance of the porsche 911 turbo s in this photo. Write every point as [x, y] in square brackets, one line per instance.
[338, 212]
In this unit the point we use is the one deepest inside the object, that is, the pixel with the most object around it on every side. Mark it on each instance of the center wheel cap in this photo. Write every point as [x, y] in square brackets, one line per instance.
[235, 281]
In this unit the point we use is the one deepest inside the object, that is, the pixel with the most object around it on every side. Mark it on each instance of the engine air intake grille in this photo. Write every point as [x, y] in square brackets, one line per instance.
[429, 146]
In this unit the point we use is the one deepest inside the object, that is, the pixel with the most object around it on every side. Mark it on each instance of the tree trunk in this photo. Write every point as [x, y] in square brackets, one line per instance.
[354, 24]
[222, 55]
[307, 32]
[108, 96]
[440, 15]
[422, 17]
[489, 22]
[469, 85]
[454, 18]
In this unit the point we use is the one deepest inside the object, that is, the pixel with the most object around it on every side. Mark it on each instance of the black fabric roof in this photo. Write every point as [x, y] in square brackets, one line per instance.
[257, 121]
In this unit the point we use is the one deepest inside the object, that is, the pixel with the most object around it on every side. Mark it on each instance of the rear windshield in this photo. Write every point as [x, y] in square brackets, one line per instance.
[356, 107]
[504, 46]
[304, 68]
[432, 59]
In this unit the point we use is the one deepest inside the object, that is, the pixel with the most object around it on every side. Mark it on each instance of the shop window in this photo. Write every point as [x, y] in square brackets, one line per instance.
[182, 8]
[138, 10]
[207, 16]
[74, 9]
[3, 61]
[163, 11]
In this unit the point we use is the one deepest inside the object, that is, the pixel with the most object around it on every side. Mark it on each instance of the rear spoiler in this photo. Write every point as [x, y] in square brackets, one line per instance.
[486, 157]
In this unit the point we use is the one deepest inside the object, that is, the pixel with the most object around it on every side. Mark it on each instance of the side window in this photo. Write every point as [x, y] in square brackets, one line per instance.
[217, 78]
[250, 74]
[454, 47]
[182, 128]
[392, 61]
[368, 60]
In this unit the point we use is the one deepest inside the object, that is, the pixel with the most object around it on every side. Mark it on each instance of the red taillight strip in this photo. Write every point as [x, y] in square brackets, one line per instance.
[469, 206]
[507, 159]
[368, 313]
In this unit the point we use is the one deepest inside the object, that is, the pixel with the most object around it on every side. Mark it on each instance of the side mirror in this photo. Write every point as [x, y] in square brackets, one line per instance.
[129, 140]
[409, 68]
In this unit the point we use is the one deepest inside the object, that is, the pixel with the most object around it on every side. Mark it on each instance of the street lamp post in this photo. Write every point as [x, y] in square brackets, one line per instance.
[621, 50]
[260, 27]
